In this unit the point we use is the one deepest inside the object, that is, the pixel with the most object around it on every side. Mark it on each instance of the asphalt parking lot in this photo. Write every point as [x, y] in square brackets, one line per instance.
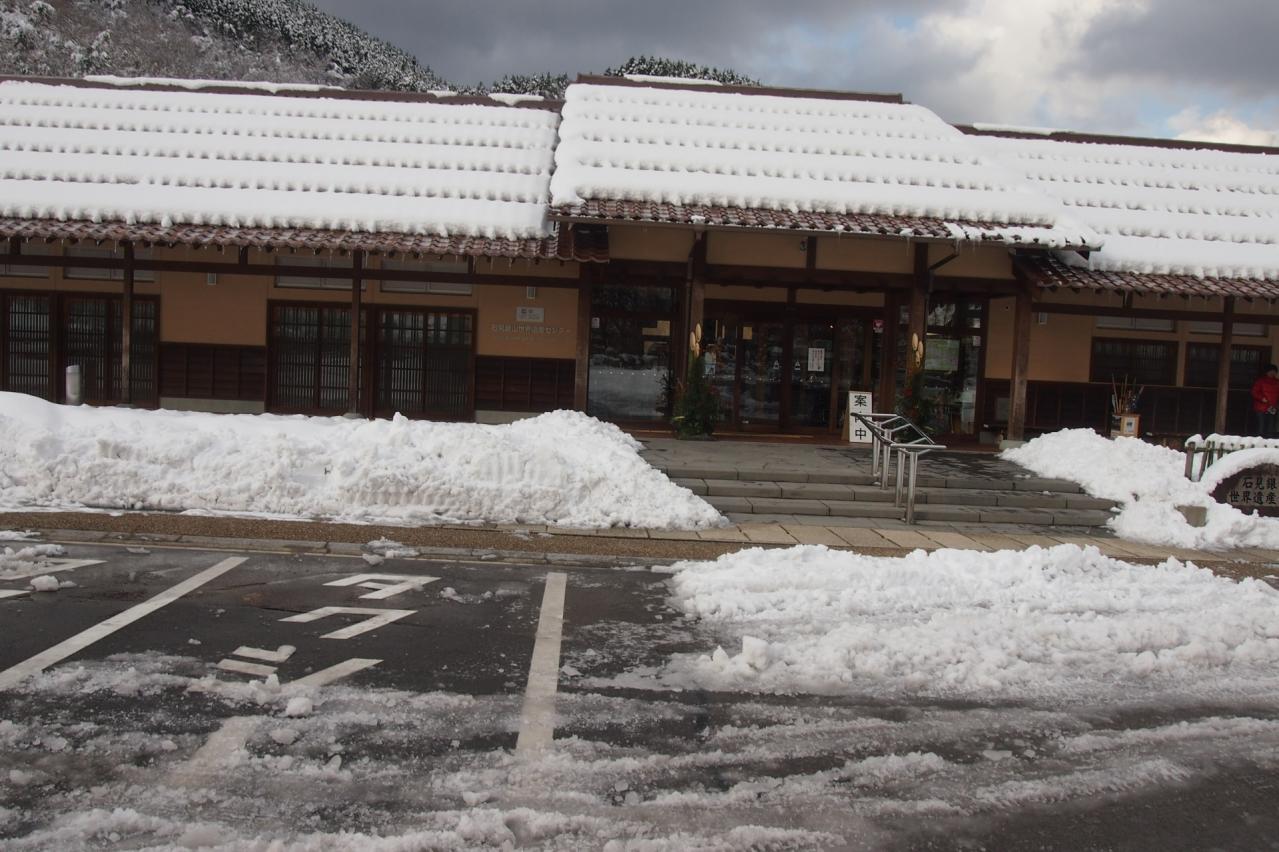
[181, 698]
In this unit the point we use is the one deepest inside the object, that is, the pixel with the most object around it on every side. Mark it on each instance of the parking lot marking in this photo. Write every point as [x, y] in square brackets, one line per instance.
[13, 676]
[239, 666]
[379, 618]
[218, 750]
[11, 593]
[334, 672]
[279, 655]
[386, 585]
[537, 717]
[50, 566]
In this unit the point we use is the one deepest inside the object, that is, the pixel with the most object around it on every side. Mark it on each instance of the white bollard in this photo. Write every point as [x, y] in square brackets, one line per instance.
[73, 385]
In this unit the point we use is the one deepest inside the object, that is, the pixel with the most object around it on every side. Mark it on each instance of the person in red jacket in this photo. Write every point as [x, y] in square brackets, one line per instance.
[1265, 401]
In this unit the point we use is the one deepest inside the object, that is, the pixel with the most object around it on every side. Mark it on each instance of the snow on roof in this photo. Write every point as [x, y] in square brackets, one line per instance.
[1161, 210]
[196, 85]
[262, 160]
[835, 155]
[658, 78]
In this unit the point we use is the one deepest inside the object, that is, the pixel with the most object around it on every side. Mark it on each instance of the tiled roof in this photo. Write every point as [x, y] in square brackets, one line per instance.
[873, 224]
[314, 161]
[1184, 211]
[793, 162]
[294, 238]
[1049, 271]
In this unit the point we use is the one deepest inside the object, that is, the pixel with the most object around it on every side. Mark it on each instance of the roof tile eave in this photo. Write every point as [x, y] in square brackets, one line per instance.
[295, 238]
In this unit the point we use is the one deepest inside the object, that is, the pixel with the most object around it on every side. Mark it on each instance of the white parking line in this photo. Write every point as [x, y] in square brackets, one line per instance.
[11, 677]
[333, 673]
[537, 718]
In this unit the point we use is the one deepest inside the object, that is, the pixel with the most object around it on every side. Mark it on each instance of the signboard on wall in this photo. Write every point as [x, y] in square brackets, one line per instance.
[524, 313]
[816, 360]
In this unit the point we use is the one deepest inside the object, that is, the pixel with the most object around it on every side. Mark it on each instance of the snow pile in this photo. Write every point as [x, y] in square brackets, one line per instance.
[1150, 482]
[257, 160]
[1161, 210]
[560, 468]
[1064, 623]
[688, 147]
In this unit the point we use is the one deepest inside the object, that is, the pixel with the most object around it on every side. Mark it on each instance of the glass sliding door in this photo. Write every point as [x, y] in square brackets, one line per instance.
[762, 371]
[812, 374]
[953, 363]
[630, 361]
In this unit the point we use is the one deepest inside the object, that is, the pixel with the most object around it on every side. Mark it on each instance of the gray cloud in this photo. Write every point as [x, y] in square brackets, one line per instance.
[472, 40]
[1226, 44]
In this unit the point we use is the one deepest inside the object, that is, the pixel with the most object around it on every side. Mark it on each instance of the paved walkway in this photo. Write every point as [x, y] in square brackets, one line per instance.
[550, 543]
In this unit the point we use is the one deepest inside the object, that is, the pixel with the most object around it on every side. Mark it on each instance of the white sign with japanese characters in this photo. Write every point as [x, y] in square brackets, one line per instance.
[859, 402]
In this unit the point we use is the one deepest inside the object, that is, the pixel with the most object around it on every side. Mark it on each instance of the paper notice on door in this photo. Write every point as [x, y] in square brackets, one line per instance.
[816, 360]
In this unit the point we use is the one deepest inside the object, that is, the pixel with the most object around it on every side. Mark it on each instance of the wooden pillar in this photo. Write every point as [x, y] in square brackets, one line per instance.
[695, 291]
[917, 329]
[1020, 366]
[126, 328]
[886, 393]
[1223, 365]
[581, 374]
[357, 302]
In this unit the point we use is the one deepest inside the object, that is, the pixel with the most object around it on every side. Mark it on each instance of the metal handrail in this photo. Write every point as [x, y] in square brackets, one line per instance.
[894, 433]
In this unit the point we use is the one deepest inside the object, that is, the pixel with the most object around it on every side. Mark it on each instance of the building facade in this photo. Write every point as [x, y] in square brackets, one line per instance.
[320, 252]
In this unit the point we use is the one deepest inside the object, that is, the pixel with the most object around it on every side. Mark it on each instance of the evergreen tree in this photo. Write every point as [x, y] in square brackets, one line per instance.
[657, 66]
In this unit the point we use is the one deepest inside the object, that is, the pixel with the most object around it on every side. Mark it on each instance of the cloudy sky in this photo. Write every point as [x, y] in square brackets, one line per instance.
[1147, 67]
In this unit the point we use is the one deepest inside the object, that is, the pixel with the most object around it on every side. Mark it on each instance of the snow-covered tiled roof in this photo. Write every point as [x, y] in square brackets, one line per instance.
[691, 147]
[310, 161]
[1160, 210]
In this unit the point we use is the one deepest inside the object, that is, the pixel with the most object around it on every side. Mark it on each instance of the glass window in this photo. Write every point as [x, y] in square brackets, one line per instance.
[1246, 363]
[429, 268]
[315, 282]
[106, 274]
[659, 300]
[1136, 323]
[23, 271]
[1146, 362]
[1239, 329]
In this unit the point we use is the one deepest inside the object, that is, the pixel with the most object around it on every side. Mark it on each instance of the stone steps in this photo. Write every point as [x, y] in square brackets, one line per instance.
[1030, 501]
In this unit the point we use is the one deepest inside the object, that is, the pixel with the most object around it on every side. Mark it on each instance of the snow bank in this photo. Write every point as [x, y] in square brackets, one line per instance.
[1150, 482]
[560, 468]
[1064, 623]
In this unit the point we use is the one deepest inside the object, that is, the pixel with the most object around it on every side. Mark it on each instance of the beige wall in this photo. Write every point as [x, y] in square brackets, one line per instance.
[753, 249]
[1061, 345]
[865, 255]
[627, 242]
[233, 309]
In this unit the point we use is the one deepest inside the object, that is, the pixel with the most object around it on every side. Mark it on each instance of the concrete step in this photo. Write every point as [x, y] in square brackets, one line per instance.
[931, 496]
[814, 478]
[1057, 515]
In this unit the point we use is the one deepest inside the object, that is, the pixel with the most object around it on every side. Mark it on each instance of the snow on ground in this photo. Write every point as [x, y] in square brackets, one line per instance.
[17, 562]
[1150, 482]
[561, 468]
[1060, 624]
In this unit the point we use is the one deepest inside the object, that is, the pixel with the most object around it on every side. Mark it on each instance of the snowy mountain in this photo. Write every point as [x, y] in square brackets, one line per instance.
[279, 40]
[283, 41]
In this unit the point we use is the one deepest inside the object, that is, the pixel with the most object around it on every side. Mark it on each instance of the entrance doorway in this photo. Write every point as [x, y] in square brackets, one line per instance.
[954, 360]
[791, 373]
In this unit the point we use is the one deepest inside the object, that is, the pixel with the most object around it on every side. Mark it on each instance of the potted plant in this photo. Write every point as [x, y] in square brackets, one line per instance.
[696, 410]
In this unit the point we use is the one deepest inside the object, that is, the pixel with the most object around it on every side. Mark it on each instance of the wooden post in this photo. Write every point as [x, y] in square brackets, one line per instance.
[917, 330]
[581, 374]
[126, 327]
[886, 398]
[1223, 365]
[695, 293]
[1021, 365]
[357, 301]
